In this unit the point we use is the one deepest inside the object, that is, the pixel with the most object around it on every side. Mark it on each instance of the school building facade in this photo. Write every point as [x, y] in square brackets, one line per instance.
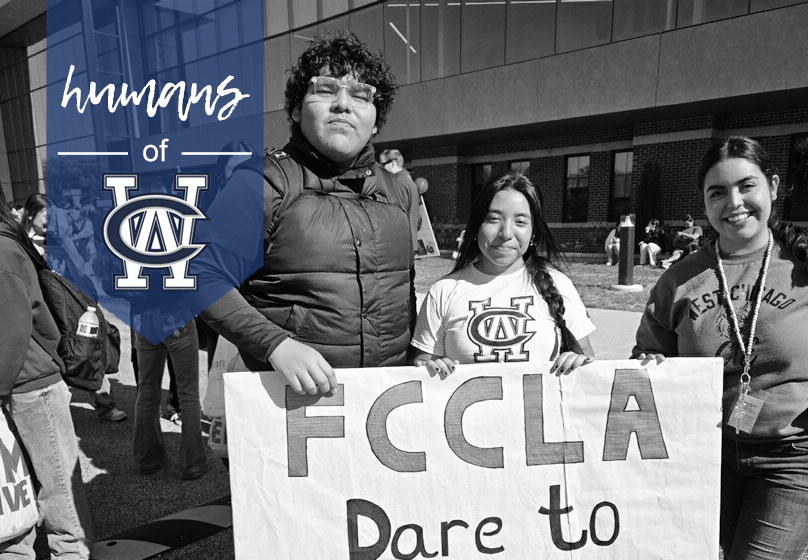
[607, 105]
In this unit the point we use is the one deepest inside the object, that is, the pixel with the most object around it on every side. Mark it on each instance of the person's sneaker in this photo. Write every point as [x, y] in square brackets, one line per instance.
[113, 415]
[176, 418]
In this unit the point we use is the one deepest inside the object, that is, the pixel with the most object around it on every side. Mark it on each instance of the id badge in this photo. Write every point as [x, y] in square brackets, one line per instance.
[745, 413]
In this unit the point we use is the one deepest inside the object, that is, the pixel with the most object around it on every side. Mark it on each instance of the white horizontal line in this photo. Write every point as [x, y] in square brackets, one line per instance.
[217, 153]
[92, 153]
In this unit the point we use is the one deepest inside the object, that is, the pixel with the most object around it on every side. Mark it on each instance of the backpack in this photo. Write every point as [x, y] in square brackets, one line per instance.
[278, 168]
[85, 360]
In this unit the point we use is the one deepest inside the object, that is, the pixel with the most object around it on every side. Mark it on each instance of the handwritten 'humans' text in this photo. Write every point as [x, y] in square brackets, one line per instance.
[169, 89]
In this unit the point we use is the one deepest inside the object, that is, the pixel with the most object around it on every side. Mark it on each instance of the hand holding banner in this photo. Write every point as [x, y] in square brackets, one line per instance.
[618, 460]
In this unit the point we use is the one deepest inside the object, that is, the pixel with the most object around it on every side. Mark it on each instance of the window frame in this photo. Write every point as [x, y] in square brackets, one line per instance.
[627, 178]
[566, 218]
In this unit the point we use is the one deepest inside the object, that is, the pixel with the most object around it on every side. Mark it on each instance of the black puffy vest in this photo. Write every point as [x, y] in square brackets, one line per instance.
[336, 270]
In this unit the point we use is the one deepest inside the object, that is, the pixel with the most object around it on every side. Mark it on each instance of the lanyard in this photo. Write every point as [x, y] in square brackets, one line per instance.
[733, 317]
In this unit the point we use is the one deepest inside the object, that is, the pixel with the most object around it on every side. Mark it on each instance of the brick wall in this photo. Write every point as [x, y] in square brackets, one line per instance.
[449, 195]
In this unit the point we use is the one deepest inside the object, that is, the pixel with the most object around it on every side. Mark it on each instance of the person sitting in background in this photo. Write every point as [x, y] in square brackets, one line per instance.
[612, 245]
[684, 242]
[652, 243]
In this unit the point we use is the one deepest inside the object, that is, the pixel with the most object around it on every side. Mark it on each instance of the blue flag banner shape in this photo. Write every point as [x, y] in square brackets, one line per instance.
[152, 106]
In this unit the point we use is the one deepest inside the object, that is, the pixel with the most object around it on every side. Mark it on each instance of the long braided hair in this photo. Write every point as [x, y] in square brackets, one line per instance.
[794, 238]
[542, 254]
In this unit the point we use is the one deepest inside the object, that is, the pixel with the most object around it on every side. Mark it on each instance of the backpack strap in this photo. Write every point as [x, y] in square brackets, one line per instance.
[285, 174]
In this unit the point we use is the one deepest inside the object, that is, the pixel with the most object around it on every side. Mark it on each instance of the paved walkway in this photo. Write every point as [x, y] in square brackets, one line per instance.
[614, 337]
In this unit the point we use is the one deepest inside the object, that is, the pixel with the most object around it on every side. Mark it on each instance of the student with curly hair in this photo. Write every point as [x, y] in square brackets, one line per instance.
[506, 300]
[743, 297]
[335, 286]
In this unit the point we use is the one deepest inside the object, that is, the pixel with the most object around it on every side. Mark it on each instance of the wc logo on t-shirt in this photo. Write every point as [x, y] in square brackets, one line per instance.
[500, 333]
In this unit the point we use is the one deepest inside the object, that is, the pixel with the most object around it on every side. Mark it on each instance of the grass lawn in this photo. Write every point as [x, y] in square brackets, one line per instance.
[592, 280]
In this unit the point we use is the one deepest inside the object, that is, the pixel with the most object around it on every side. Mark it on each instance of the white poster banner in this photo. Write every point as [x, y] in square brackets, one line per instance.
[618, 460]
[427, 244]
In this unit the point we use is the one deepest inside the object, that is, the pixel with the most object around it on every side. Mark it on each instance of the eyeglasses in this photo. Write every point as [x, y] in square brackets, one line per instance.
[326, 88]
[383, 163]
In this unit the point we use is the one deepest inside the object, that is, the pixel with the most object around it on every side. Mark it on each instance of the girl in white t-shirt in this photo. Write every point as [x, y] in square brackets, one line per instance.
[505, 300]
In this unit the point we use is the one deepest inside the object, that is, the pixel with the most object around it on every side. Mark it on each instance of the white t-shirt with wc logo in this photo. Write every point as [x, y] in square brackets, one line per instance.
[473, 317]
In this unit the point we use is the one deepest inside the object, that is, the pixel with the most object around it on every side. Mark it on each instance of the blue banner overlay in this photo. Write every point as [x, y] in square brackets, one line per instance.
[150, 108]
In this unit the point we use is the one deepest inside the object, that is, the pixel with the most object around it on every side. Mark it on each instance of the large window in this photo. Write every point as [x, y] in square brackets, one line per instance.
[276, 62]
[758, 5]
[619, 203]
[796, 205]
[530, 31]
[634, 18]
[440, 39]
[368, 24]
[522, 167]
[402, 40]
[304, 12]
[276, 16]
[480, 174]
[576, 196]
[692, 12]
[583, 24]
[22, 108]
[483, 39]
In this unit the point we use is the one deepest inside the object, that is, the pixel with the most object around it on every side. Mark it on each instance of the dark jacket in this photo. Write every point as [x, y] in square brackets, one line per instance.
[656, 236]
[27, 365]
[336, 269]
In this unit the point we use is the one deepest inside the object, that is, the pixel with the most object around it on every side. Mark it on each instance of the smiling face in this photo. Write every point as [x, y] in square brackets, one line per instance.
[505, 233]
[338, 130]
[738, 199]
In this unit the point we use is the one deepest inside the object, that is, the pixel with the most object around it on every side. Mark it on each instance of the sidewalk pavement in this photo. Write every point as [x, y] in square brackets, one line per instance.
[613, 338]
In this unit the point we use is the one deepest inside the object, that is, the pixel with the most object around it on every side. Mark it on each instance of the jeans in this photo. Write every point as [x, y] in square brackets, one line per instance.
[45, 429]
[149, 449]
[764, 500]
[103, 399]
[173, 401]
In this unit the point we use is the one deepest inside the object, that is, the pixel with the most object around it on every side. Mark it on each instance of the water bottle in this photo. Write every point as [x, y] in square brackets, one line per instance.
[88, 323]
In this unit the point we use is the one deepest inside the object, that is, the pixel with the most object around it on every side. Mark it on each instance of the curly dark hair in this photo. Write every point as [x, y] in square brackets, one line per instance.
[337, 55]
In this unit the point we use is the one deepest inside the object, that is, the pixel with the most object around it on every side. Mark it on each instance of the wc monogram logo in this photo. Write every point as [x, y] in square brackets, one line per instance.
[500, 330]
[154, 231]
